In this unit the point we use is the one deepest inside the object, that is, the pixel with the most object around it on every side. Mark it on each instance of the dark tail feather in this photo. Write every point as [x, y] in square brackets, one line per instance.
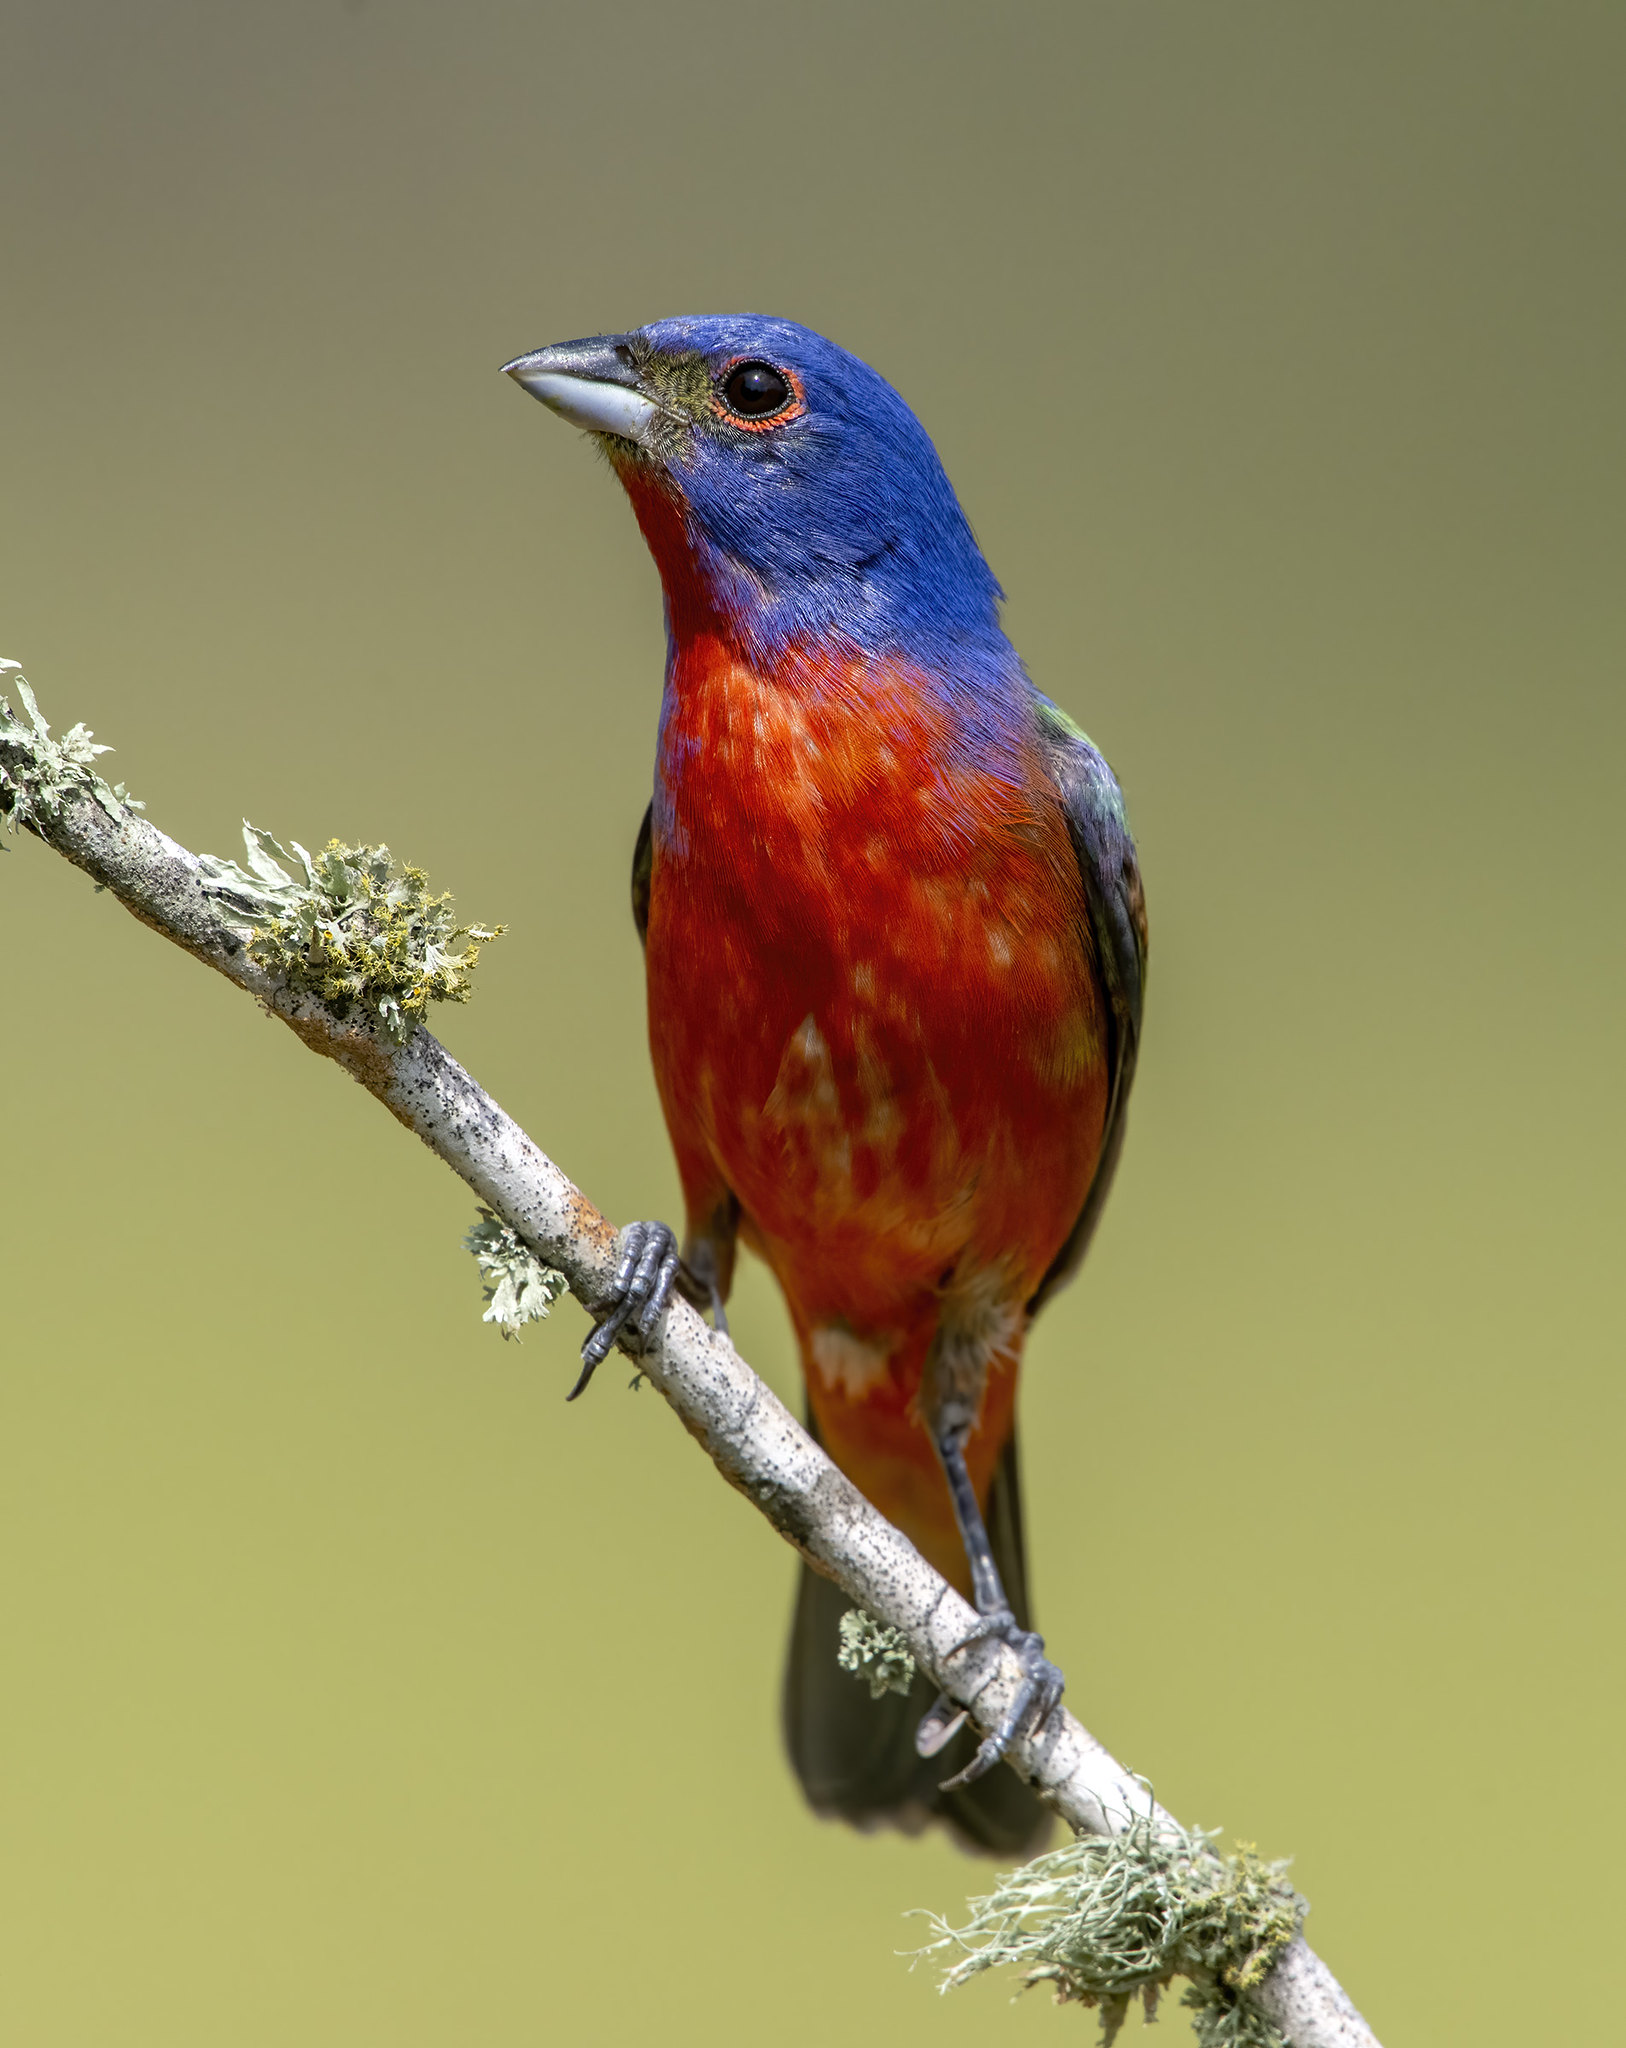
[856, 1757]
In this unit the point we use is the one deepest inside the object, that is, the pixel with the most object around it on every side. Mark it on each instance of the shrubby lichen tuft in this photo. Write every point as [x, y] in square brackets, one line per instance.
[870, 1649]
[1112, 1918]
[519, 1288]
[357, 928]
[32, 789]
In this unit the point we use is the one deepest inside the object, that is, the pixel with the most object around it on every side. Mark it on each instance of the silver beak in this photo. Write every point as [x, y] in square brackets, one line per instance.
[591, 383]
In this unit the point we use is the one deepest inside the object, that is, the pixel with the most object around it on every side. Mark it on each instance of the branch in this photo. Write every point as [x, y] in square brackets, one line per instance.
[49, 788]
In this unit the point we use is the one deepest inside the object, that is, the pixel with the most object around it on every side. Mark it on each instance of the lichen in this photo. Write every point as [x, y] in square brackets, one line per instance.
[34, 786]
[872, 1650]
[519, 1288]
[1112, 1918]
[357, 929]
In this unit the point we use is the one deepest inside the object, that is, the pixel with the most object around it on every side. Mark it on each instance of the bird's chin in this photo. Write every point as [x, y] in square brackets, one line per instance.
[632, 459]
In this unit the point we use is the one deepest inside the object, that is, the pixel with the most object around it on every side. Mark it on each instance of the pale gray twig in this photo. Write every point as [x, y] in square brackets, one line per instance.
[51, 788]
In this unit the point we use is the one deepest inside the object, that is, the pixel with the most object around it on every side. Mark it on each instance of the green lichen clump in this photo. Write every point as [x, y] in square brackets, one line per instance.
[1112, 1918]
[519, 1288]
[357, 929]
[42, 772]
[869, 1649]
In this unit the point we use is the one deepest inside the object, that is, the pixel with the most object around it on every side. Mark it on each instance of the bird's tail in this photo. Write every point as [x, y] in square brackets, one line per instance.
[856, 1757]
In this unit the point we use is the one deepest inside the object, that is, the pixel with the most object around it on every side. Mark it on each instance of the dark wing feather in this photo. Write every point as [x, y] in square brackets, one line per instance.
[643, 864]
[1117, 911]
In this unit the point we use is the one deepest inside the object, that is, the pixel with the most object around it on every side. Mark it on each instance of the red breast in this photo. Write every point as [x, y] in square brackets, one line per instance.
[874, 1011]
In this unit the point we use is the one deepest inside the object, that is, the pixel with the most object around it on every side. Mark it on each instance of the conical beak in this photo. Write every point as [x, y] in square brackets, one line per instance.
[591, 383]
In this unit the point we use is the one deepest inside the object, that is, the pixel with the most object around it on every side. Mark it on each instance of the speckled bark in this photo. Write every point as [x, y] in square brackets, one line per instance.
[753, 1439]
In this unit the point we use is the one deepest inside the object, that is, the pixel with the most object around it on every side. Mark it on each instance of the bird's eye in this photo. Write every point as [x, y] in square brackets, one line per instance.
[755, 391]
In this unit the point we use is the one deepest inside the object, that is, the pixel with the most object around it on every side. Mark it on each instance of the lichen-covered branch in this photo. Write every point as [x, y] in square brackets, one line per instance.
[51, 789]
[1110, 1919]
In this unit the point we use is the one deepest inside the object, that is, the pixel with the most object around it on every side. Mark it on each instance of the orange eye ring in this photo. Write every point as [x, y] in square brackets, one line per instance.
[787, 407]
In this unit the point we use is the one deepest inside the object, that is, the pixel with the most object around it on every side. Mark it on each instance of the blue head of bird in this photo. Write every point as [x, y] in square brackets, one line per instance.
[783, 485]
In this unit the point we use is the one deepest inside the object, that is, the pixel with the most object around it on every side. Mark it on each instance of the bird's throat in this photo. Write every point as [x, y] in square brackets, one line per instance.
[702, 600]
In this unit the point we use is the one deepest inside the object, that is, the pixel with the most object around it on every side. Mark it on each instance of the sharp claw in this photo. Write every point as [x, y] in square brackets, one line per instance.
[598, 1346]
[643, 1280]
[942, 1722]
[599, 1340]
[1035, 1701]
[589, 1367]
[989, 1752]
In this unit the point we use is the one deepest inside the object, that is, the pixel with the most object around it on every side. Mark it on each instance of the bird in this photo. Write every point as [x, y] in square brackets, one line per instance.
[895, 952]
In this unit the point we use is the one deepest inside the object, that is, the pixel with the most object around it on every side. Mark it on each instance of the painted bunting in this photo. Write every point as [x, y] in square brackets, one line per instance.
[895, 944]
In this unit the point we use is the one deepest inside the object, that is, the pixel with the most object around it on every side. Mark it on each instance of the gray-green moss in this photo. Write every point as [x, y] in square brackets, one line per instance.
[41, 772]
[354, 927]
[1112, 1918]
[519, 1288]
[871, 1650]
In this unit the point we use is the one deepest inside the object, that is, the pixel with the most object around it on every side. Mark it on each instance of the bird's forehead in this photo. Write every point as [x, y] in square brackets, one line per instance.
[719, 336]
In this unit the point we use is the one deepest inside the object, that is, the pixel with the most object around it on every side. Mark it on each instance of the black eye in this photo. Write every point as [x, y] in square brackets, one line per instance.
[755, 390]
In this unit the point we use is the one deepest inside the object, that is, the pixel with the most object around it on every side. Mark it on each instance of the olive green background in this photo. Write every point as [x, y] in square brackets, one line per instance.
[355, 1691]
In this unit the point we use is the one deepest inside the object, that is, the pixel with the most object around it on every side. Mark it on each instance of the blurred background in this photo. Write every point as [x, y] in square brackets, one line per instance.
[357, 1691]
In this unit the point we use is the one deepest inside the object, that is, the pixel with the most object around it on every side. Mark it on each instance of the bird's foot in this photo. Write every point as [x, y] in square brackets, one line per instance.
[1040, 1690]
[640, 1290]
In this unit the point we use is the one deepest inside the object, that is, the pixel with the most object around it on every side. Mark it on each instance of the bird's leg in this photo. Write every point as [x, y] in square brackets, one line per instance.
[700, 1263]
[640, 1290]
[1042, 1683]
